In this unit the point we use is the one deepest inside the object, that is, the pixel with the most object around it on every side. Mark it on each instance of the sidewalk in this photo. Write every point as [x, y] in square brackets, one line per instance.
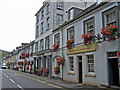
[61, 83]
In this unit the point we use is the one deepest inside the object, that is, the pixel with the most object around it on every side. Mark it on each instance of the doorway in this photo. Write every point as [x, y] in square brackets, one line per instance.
[113, 71]
[80, 68]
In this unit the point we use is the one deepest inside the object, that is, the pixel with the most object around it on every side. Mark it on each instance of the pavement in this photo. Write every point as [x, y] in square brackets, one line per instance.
[62, 83]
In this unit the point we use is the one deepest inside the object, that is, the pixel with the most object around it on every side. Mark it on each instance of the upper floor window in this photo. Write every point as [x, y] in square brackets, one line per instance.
[41, 45]
[42, 14]
[90, 63]
[59, 19]
[48, 9]
[89, 26]
[57, 38]
[60, 5]
[71, 33]
[70, 14]
[47, 46]
[36, 46]
[42, 28]
[48, 23]
[37, 31]
[37, 19]
[110, 18]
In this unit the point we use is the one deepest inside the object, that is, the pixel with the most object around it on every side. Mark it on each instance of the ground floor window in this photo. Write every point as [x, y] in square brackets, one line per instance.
[71, 64]
[90, 63]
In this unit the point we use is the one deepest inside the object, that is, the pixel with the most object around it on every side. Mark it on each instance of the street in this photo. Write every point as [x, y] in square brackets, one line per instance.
[15, 80]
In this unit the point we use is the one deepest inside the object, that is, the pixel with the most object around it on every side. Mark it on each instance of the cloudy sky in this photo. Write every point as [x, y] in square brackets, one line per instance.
[17, 22]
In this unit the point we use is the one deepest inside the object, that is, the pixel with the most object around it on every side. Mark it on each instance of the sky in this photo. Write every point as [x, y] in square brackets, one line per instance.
[17, 22]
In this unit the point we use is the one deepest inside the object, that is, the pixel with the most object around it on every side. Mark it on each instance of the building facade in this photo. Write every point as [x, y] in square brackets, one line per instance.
[50, 16]
[90, 56]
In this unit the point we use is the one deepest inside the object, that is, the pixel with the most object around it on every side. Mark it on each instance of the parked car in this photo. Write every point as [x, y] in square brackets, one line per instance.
[4, 66]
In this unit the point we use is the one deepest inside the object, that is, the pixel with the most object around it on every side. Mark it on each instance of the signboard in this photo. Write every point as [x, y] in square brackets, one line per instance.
[84, 48]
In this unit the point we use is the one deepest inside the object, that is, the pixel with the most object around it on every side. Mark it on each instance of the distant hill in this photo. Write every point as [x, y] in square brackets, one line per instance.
[3, 53]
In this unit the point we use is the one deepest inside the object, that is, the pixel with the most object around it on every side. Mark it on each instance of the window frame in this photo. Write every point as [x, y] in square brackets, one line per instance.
[37, 31]
[42, 28]
[47, 45]
[89, 68]
[58, 34]
[60, 5]
[68, 31]
[58, 21]
[48, 23]
[71, 64]
[48, 9]
[88, 21]
[41, 44]
[42, 14]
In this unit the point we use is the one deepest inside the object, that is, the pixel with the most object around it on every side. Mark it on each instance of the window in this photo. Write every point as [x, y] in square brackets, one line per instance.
[71, 33]
[60, 5]
[71, 64]
[48, 23]
[110, 18]
[42, 28]
[37, 31]
[59, 19]
[37, 19]
[47, 46]
[70, 14]
[36, 47]
[89, 26]
[48, 8]
[90, 63]
[41, 45]
[47, 64]
[56, 38]
[42, 14]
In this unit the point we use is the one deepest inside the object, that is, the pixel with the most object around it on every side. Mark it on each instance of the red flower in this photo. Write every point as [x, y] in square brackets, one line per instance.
[57, 70]
[118, 54]
[55, 47]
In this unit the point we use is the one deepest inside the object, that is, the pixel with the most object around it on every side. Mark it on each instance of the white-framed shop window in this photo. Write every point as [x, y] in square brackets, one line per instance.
[90, 63]
[71, 63]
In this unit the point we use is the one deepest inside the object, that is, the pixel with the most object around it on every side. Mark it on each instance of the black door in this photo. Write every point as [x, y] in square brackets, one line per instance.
[80, 72]
[113, 71]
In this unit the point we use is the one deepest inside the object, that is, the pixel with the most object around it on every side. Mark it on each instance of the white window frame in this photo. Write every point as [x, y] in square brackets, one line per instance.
[47, 45]
[60, 5]
[42, 27]
[41, 44]
[57, 38]
[48, 23]
[89, 26]
[59, 19]
[48, 9]
[112, 20]
[71, 64]
[42, 14]
[90, 64]
[37, 31]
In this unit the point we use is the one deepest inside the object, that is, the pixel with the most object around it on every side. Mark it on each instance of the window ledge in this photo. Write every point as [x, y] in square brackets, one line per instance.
[71, 73]
[90, 75]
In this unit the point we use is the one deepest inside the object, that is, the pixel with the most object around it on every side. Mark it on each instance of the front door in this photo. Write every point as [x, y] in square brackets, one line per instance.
[113, 71]
[80, 68]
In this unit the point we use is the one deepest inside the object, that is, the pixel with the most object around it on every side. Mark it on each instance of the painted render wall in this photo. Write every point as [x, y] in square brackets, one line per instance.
[100, 57]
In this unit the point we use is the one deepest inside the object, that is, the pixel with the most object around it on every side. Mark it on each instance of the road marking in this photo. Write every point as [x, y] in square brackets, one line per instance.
[12, 80]
[20, 87]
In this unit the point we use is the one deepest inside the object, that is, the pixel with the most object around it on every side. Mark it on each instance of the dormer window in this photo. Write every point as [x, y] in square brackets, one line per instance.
[70, 14]
[60, 5]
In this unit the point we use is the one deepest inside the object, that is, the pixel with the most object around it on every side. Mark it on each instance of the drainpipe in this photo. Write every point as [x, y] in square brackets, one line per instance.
[117, 18]
[62, 52]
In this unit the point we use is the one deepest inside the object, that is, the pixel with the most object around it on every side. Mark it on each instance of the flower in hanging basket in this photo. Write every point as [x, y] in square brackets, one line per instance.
[32, 62]
[118, 54]
[55, 47]
[19, 57]
[87, 38]
[31, 54]
[60, 61]
[27, 67]
[20, 62]
[20, 67]
[57, 70]
[28, 62]
[47, 71]
[25, 62]
[30, 68]
[109, 32]
[69, 43]
[41, 70]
